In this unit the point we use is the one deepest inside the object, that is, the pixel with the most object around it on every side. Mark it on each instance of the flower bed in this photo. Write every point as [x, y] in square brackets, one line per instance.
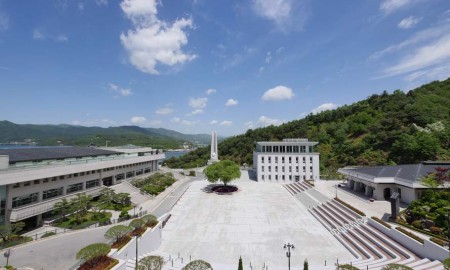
[413, 236]
[382, 222]
[102, 263]
[359, 212]
[122, 242]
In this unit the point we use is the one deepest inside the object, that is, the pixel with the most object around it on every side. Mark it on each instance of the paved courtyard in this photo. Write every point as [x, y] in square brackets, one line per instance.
[253, 223]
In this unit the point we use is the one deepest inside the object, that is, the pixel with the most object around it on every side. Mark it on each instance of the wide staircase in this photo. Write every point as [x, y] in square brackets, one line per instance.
[371, 248]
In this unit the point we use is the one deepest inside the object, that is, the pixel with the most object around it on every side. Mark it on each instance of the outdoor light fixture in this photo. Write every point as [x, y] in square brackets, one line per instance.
[288, 253]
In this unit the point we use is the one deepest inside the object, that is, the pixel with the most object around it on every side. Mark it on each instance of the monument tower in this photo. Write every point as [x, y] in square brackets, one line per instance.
[214, 151]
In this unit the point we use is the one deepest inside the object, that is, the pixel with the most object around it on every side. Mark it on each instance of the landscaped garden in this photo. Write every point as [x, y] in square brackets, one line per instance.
[155, 183]
[430, 213]
[9, 235]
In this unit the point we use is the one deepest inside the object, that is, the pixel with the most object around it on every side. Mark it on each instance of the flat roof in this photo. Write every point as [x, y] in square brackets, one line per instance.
[57, 152]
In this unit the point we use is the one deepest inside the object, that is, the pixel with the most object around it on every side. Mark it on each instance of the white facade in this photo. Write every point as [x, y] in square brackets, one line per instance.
[290, 160]
[30, 189]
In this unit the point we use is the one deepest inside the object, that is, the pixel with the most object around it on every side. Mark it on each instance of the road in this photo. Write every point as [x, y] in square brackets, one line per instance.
[58, 252]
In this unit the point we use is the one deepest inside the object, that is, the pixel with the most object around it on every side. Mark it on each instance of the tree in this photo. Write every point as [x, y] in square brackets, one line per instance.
[240, 266]
[305, 264]
[150, 220]
[107, 196]
[394, 266]
[80, 205]
[151, 263]
[137, 223]
[123, 198]
[225, 171]
[8, 230]
[64, 207]
[198, 265]
[117, 232]
[93, 252]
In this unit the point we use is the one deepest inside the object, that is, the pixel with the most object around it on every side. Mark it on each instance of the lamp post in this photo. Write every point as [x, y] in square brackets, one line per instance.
[137, 257]
[288, 253]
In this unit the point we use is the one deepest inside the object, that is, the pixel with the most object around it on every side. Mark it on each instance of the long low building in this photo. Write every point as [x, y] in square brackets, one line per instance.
[33, 180]
[379, 182]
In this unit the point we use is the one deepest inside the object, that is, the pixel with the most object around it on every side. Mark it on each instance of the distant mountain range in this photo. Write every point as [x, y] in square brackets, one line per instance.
[113, 136]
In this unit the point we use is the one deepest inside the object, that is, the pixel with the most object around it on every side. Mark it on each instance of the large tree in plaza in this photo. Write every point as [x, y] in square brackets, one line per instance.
[224, 171]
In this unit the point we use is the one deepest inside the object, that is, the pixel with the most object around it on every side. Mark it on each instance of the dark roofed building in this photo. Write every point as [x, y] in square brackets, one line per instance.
[379, 182]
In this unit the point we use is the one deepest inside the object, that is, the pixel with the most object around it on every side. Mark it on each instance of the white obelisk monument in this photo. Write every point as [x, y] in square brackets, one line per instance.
[214, 151]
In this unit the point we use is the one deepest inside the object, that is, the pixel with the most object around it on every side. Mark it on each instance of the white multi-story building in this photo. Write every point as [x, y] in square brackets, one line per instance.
[290, 160]
[32, 180]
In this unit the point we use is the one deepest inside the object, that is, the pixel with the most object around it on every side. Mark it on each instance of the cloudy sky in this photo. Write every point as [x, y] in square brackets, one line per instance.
[198, 65]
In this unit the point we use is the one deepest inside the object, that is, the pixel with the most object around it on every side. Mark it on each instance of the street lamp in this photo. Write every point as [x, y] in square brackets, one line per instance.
[137, 257]
[288, 253]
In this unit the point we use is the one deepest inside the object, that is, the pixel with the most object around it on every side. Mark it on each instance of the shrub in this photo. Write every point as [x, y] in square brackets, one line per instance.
[413, 236]
[117, 232]
[151, 263]
[137, 223]
[417, 224]
[198, 265]
[124, 214]
[394, 266]
[359, 212]
[305, 264]
[436, 230]
[150, 220]
[347, 267]
[191, 173]
[93, 252]
[382, 222]
[121, 242]
[47, 234]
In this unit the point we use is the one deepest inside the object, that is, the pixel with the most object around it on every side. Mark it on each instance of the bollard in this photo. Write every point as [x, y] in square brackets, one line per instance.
[172, 263]
[190, 258]
[35, 237]
[178, 255]
[325, 262]
[181, 259]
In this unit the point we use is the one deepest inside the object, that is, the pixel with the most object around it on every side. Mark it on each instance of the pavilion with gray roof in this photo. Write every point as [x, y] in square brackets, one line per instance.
[379, 182]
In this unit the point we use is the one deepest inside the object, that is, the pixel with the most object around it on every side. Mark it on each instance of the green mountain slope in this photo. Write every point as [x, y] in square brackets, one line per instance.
[382, 129]
[79, 135]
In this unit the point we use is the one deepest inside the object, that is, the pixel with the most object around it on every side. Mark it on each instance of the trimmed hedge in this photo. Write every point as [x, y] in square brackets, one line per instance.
[421, 231]
[382, 222]
[413, 236]
[438, 241]
[359, 212]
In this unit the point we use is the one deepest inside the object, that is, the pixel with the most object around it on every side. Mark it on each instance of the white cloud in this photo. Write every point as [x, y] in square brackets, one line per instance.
[324, 107]
[249, 125]
[195, 112]
[81, 6]
[101, 2]
[213, 122]
[198, 103]
[278, 93]
[138, 120]
[4, 21]
[278, 11]
[264, 121]
[437, 52]
[268, 57]
[409, 22]
[231, 102]
[61, 38]
[175, 120]
[210, 91]
[389, 6]
[188, 123]
[119, 91]
[38, 35]
[164, 111]
[226, 123]
[153, 41]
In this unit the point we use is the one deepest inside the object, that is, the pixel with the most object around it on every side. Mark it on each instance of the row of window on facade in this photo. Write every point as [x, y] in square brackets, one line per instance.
[269, 168]
[52, 193]
[67, 176]
[282, 177]
[269, 159]
[285, 149]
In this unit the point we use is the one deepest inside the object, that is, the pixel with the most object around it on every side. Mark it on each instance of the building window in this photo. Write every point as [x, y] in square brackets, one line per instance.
[276, 177]
[61, 177]
[26, 183]
[282, 169]
[310, 159]
[92, 183]
[290, 169]
[269, 159]
[282, 159]
[51, 193]
[290, 159]
[304, 169]
[276, 168]
[296, 168]
[282, 177]
[290, 177]
[304, 159]
[262, 177]
[36, 182]
[16, 185]
[45, 180]
[74, 188]
[276, 159]
[54, 178]
[296, 159]
[24, 200]
[270, 177]
[262, 159]
[270, 168]
[262, 168]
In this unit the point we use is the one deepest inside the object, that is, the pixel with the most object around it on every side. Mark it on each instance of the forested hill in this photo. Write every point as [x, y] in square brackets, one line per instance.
[395, 128]
[82, 136]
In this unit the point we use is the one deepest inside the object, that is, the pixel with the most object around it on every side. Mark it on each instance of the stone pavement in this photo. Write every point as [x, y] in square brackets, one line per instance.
[254, 223]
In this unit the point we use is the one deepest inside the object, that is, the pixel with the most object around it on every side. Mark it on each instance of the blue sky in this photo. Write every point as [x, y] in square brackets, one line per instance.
[198, 65]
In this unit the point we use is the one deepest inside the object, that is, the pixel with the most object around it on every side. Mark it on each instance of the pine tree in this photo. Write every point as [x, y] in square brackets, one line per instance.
[240, 267]
[305, 264]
